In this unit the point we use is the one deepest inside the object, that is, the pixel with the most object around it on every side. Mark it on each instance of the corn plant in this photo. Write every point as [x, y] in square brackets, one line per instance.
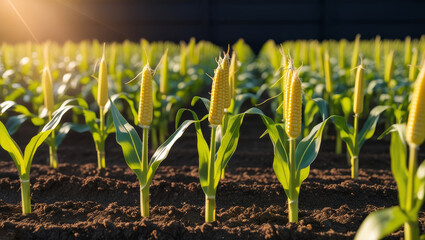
[135, 150]
[291, 163]
[213, 159]
[410, 179]
[23, 160]
[354, 139]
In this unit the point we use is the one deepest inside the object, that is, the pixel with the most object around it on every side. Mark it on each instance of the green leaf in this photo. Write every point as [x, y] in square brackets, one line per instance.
[347, 106]
[130, 102]
[13, 123]
[131, 144]
[203, 151]
[419, 188]
[398, 153]
[240, 99]
[310, 110]
[369, 127]
[381, 223]
[228, 145]
[323, 107]
[8, 144]
[281, 169]
[162, 152]
[65, 128]
[309, 147]
[205, 101]
[345, 132]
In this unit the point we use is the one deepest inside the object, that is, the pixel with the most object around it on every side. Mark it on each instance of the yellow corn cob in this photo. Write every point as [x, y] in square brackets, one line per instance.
[358, 91]
[47, 84]
[328, 73]
[412, 67]
[415, 130]
[293, 112]
[225, 66]
[342, 45]
[163, 85]
[102, 88]
[216, 113]
[286, 85]
[183, 58]
[407, 50]
[389, 65]
[378, 52]
[355, 56]
[146, 98]
[232, 74]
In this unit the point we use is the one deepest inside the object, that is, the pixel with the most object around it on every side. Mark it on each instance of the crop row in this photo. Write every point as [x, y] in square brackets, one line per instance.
[309, 84]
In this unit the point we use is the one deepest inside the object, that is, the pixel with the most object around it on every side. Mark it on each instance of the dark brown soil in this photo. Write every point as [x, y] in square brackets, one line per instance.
[77, 201]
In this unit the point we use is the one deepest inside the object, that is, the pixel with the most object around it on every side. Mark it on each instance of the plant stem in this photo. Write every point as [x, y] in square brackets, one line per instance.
[293, 195]
[411, 229]
[53, 156]
[144, 201]
[338, 144]
[209, 209]
[144, 192]
[210, 198]
[101, 151]
[25, 196]
[101, 159]
[355, 158]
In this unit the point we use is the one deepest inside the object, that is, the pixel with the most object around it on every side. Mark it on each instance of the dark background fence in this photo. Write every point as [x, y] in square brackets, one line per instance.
[220, 21]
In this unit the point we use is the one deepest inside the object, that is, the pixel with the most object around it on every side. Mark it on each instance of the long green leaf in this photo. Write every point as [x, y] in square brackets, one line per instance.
[162, 152]
[13, 123]
[309, 147]
[228, 145]
[8, 144]
[130, 143]
[381, 223]
[345, 132]
[369, 127]
[66, 128]
[205, 101]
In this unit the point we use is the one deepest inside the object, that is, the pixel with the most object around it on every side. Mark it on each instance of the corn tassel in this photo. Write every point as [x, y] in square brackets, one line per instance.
[216, 113]
[102, 91]
[146, 97]
[293, 112]
[358, 91]
[415, 131]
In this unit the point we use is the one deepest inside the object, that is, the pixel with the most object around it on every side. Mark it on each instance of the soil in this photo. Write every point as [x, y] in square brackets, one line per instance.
[78, 201]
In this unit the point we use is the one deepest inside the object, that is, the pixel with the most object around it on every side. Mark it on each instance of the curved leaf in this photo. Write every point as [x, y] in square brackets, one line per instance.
[8, 144]
[309, 147]
[131, 144]
[13, 123]
[228, 145]
[369, 127]
[323, 107]
[381, 223]
[65, 128]
[205, 101]
[162, 152]
[345, 132]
